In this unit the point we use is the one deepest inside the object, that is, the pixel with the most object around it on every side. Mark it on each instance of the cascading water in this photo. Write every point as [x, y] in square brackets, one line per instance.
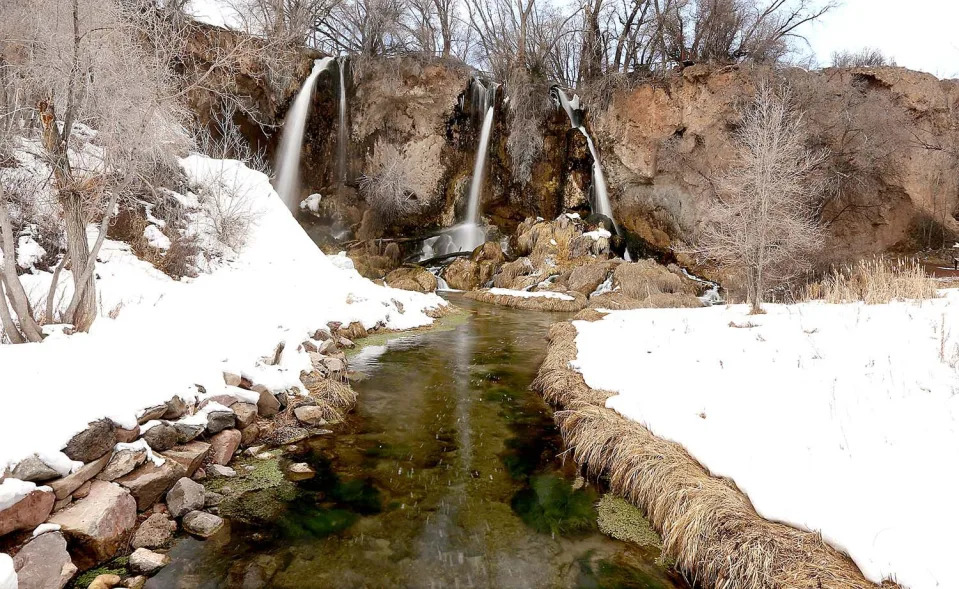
[342, 132]
[287, 181]
[469, 235]
[601, 202]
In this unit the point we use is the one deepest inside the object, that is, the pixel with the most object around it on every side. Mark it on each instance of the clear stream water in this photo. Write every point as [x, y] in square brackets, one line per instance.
[447, 474]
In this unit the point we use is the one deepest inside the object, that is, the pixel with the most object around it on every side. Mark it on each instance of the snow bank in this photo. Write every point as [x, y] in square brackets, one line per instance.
[170, 336]
[8, 576]
[525, 294]
[841, 419]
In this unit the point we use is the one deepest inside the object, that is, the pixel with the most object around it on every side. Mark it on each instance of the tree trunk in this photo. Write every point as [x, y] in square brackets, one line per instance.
[84, 304]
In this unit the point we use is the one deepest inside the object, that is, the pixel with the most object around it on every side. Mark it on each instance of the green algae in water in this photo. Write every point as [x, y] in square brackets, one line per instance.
[609, 574]
[624, 521]
[117, 566]
[551, 506]
[315, 522]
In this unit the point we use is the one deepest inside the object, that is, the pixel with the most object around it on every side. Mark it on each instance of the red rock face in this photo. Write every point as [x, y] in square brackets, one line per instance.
[28, 513]
[99, 525]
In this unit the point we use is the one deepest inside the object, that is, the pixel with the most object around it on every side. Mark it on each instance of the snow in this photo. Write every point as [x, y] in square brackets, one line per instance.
[8, 576]
[29, 252]
[138, 445]
[156, 238]
[832, 418]
[166, 337]
[525, 294]
[219, 13]
[44, 528]
[598, 234]
[311, 203]
[13, 490]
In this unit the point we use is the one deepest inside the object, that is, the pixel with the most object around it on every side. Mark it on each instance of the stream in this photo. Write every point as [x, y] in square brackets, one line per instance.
[448, 473]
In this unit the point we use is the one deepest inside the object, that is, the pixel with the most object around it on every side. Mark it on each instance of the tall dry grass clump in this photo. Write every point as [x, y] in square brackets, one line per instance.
[873, 282]
[708, 526]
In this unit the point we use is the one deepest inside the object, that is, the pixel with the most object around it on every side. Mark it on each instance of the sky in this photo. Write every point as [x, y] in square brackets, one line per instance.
[918, 34]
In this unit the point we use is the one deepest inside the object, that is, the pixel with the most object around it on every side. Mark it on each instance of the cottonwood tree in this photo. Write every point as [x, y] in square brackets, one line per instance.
[762, 225]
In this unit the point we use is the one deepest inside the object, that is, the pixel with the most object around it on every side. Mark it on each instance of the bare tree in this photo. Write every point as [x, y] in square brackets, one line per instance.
[763, 224]
[865, 57]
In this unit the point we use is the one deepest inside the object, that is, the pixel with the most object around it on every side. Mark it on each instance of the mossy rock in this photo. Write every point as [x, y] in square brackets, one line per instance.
[622, 520]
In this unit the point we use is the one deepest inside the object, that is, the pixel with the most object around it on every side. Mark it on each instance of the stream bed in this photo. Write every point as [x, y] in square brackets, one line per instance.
[448, 473]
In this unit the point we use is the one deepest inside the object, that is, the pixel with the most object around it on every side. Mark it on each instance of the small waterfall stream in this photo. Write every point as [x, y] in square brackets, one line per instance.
[469, 235]
[342, 132]
[287, 182]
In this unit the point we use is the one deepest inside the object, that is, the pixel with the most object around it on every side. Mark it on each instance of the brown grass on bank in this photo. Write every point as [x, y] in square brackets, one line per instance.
[618, 301]
[708, 526]
[531, 303]
[873, 282]
[338, 394]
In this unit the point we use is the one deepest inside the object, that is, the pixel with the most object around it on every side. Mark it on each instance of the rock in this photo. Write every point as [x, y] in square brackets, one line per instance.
[44, 563]
[190, 456]
[586, 279]
[82, 491]
[162, 436]
[146, 562]
[245, 414]
[225, 400]
[490, 251]
[61, 503]
[334, 364]
[267, 406]
[212, 499]
[149, 482]
[222, 471]
[202, 524]
[93, 442]
[326, 347]
[65, 487]
[199, 475]
[137, 582]
[27, 513]
[301, 471]
[127, 436]
[224, 445]
[289, 435]
[151, 414]
[249, 434]
[156, 531]
[254, 450]
[123, 462]
[34, 470]
[187, 432]
[310, 415]
[105, 582]
[175, 408]
[462, 274]
[345, 343]
[415, 278]
[185, 496]
[217, 421]
[99, 525]
[232, 379]
[283, 399]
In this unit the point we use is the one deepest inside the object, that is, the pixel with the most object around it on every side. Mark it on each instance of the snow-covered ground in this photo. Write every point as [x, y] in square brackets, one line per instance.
[169, 336]
[525, 294]
[842, 419]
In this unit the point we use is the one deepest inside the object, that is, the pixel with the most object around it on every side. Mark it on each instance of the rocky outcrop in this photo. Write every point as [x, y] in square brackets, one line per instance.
[414, 278]
[98, 525]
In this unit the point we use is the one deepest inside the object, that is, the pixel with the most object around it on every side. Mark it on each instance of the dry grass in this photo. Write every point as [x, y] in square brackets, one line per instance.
[708, 526]
[531, 303]
[333, 392]
[873, 282]
[618, 301]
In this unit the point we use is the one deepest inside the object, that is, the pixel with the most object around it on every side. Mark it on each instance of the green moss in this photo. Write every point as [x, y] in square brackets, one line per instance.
[316, 522]
[622, 520]
[358, 495]
[117, 566]
[266, 474]
[551, 506]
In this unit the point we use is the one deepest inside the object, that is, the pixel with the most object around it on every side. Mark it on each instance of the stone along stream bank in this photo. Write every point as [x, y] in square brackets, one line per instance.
[447, 474]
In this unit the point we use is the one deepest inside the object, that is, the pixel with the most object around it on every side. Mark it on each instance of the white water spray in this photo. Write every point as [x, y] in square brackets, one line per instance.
[343, 133]
[469, 235]
[287, 181]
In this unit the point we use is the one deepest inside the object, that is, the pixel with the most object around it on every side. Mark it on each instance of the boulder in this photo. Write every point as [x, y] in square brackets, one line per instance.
[187, 431]
[127, 436]
[289, 435]
[462, 274]
[301, 471]
[65, 487]
[161, 436]
[44, 563]
[232, 379]
[311, 415]
[212, 499]
[217, 421]
[149, 482]
[224, 445]
[334, 364]
[175, 408]
[488, 252]
[249, 434]
[146, 562]
[151, 413]
[156, 531]
[105, 581]
[225, 400]
[98, 525]
[185, 496]
[586, 279]
[202, 524]
[137, 582]
[27, 513]
[93, 442]
[190, 456]
[415, 278]
[82, 491]
[222, 471]
[267, 406]
[122, 462]
[245, 414]
[34, 470]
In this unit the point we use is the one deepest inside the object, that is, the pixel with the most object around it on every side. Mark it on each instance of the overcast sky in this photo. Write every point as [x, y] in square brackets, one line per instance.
[918, 34]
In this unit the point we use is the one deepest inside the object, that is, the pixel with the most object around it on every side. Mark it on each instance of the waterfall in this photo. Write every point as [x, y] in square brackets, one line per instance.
[343, 133]
[287, 182]
[469, 234]
[476, 183]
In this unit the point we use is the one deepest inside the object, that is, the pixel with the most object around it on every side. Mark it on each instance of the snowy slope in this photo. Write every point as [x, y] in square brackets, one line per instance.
[837, 418]
[169, 336]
